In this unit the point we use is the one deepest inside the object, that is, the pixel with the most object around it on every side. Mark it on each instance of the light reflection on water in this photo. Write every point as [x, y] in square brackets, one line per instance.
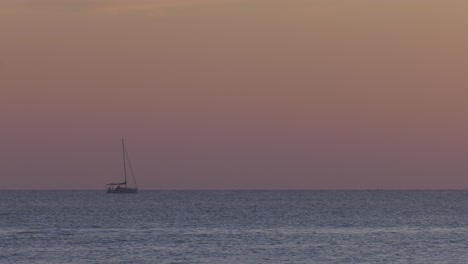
[234, 227]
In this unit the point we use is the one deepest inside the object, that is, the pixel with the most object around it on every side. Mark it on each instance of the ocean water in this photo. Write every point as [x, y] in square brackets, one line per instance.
[234, 227]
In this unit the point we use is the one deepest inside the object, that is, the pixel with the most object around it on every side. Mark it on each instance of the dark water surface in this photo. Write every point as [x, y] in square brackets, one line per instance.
[234, 227]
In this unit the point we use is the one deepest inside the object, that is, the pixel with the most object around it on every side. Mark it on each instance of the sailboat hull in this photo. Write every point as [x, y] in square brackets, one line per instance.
[123, 190]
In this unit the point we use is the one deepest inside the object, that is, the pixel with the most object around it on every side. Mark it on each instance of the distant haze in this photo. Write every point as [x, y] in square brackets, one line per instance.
[234, 94]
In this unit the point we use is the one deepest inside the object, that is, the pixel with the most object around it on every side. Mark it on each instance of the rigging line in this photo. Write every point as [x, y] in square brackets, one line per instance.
[131, 169]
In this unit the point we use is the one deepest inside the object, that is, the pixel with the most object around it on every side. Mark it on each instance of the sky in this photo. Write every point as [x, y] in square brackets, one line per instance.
[234, 94]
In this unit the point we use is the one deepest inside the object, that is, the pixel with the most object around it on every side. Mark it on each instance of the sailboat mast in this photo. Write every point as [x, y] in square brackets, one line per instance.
[125, 165]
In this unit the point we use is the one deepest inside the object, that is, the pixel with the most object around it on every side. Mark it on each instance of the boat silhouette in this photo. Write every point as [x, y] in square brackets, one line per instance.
[122, 187]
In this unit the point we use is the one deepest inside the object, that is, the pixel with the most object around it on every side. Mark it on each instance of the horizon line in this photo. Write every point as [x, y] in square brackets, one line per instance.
[243, 190]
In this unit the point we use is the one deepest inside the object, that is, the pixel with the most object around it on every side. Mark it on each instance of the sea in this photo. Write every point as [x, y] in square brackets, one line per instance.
[234, 227]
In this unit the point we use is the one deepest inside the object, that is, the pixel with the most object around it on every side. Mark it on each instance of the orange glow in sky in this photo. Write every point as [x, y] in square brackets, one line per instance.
[234, 94]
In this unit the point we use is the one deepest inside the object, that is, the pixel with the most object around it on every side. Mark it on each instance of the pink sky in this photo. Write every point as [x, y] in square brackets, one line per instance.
[234, 94]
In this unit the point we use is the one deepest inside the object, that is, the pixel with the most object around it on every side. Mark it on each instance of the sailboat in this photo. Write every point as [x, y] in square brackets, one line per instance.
[121, 187]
